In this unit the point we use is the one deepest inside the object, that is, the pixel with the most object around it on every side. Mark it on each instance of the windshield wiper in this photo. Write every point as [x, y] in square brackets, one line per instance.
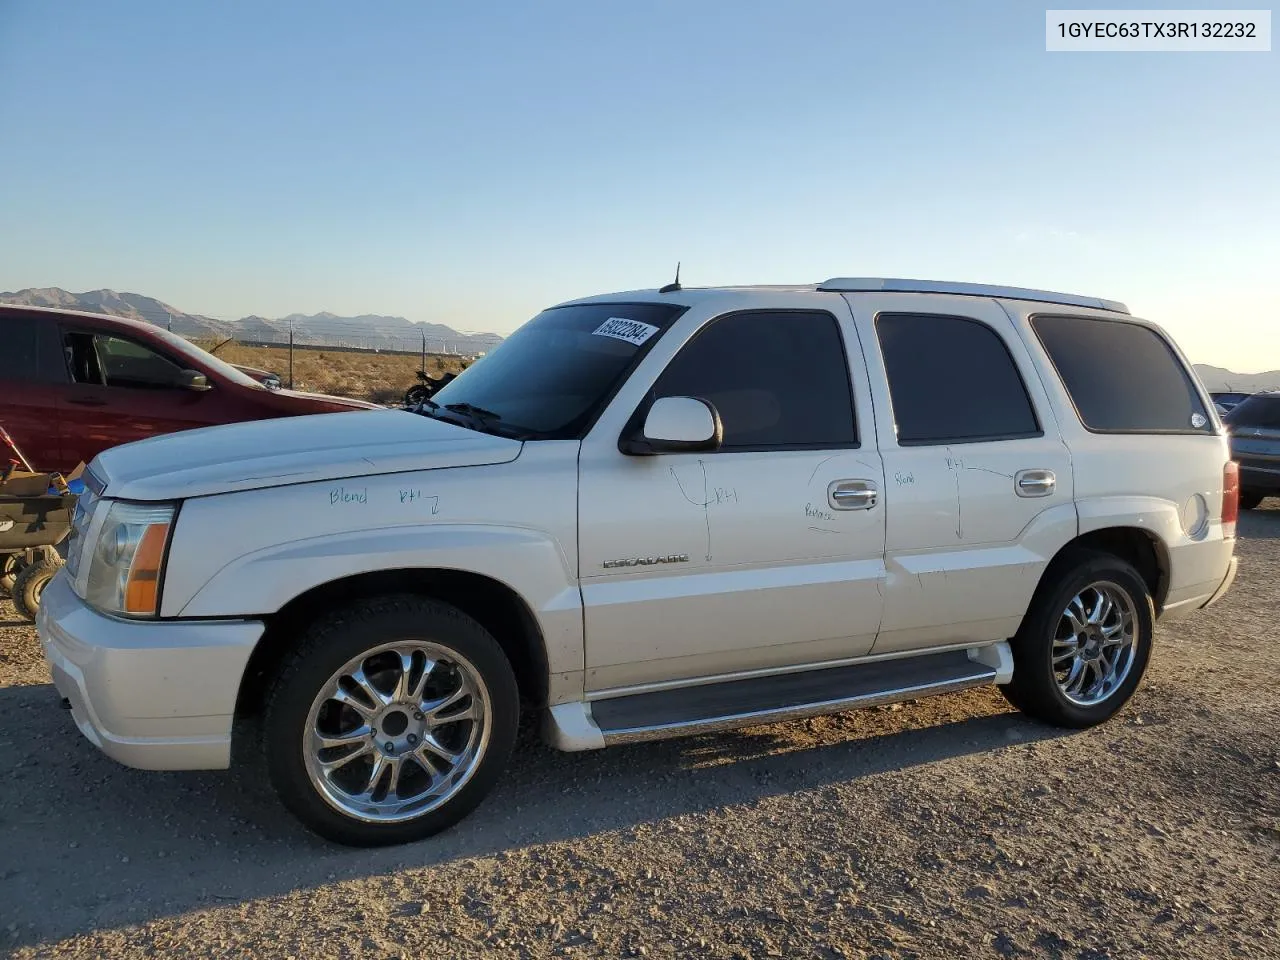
[480, 413]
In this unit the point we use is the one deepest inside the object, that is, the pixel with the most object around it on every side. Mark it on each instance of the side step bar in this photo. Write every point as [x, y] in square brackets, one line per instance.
[770, 699]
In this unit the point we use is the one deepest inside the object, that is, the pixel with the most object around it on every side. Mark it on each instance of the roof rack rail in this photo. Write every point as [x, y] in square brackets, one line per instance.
[872, 284]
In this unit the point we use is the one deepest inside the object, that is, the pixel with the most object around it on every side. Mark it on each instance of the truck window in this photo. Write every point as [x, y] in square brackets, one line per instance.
[779, 379]
[20, 358]
[1122, 377]
[115, 362]
[952, 380]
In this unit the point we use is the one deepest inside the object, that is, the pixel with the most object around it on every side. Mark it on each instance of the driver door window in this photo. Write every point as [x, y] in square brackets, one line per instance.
[110, 361]
[778, 379]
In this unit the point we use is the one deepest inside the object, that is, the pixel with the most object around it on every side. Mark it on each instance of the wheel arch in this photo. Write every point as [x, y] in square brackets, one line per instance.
[493, 604]
[1140, 548]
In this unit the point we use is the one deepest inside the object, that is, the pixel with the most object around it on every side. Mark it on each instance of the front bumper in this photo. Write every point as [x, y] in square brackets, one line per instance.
[159, 695]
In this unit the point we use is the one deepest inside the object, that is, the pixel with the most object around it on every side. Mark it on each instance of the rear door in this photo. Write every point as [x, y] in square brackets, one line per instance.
[29, 390]
[978, 479]
[123, 390]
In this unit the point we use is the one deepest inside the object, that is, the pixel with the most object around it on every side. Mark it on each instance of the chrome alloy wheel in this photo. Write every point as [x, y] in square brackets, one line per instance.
[397, 731]
[1093, 646]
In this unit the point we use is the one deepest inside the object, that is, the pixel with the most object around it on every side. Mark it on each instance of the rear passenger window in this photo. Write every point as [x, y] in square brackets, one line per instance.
[952, 380]
[1122, 377]
[20, 355]
[779, 379]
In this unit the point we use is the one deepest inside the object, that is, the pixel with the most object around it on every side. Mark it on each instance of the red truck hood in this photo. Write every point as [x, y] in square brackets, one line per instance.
[319, 402]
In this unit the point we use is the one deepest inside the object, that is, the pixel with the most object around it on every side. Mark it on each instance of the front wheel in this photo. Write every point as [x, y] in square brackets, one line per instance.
[391, 721]
[28, 585]
[417, 394]
[1084, 645]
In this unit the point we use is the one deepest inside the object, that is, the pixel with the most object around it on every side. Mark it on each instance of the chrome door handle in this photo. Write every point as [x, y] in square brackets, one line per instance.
[852, 494]
[1035, 483]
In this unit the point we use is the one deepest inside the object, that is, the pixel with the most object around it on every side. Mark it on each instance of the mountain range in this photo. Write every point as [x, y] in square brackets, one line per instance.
[368, 331]
[373, 332]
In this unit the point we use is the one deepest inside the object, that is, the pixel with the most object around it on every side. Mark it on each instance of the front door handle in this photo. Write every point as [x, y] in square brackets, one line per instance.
[88, 401]
[852, 494]
[1035, 483]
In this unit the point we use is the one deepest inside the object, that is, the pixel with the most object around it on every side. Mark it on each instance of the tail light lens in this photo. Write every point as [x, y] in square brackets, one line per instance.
[1230, 497]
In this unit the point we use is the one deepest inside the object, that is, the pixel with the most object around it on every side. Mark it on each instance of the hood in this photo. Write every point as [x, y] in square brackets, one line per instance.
[325, 401]
[287, 450]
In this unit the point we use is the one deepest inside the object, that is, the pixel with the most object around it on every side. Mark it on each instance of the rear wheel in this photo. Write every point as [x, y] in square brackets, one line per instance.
[1251, 499]
[1084, 645]
[391, 721]
[29, 584]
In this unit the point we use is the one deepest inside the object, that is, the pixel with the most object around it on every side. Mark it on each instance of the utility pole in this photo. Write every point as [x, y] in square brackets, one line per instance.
[424, 349]
[290, 354]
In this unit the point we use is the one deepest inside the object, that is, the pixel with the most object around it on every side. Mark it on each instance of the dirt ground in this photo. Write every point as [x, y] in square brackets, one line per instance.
[950, 827]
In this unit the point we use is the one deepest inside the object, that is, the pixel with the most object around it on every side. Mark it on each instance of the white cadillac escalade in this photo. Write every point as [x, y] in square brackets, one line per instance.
[649, 514]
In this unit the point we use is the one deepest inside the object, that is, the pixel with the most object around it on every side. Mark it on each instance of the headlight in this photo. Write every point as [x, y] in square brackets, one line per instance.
[127, 557]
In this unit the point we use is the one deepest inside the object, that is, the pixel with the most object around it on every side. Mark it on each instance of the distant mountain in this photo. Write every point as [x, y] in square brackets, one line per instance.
[131, 305]
[1217, 378]
[368, 331]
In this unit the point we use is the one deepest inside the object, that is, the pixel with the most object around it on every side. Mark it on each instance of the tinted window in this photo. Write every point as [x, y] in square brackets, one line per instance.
[952, 380]
[1259, 411]
[778, 379]
[19, 357]
[550, 378]
[1122, 377]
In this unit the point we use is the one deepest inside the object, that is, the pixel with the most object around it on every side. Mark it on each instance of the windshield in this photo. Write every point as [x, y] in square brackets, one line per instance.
[188, 350]
[550, 378]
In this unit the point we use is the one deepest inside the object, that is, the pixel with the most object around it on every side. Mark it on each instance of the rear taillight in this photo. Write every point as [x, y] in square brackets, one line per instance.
[1230, 497]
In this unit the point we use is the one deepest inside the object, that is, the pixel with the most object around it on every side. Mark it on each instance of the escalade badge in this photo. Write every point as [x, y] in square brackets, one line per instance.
[645, 561]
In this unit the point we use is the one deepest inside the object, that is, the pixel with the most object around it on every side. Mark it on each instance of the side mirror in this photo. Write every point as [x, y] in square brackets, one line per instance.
[193, 380]
[677, 425]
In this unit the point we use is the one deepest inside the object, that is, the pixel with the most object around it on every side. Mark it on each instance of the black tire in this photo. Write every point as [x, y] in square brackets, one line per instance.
[29, 584]
[334, 641]
[416, 395]
[10, 564]
[1251, 499]
[1035, 689]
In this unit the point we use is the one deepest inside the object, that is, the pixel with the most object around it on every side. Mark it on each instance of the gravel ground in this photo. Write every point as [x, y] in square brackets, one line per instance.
[946, 827]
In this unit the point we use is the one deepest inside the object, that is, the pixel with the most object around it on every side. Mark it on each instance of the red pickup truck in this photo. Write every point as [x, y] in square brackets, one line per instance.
[73, 384]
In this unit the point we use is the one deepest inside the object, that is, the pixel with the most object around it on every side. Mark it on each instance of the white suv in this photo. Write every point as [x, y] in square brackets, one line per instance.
[650, 514]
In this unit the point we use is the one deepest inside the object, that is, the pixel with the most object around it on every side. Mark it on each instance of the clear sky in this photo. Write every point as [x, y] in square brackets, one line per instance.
[470, 163]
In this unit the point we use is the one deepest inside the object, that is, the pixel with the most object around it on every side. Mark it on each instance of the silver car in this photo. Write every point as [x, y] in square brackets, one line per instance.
[1255, 445]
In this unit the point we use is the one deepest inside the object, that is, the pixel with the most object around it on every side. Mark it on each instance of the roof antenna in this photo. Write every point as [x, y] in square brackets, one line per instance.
[674, 285]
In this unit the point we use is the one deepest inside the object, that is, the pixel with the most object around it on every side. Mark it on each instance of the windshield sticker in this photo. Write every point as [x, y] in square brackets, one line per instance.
[632, 331]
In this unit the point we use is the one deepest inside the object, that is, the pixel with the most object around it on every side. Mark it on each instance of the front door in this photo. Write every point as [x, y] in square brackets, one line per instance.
[123, 390]
[765, 553]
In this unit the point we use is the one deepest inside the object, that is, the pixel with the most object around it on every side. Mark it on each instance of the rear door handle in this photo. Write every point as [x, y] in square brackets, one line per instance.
[1035, 483]
[852, 494]
[87, 402]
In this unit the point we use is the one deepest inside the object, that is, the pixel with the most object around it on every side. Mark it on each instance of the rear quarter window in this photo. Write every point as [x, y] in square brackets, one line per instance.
[1122, 377]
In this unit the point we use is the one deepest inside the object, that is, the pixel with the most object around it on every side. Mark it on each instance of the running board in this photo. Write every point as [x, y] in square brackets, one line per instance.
[707, 708]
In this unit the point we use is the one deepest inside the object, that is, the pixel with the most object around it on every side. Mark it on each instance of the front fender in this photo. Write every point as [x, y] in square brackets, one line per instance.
[529, 562]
